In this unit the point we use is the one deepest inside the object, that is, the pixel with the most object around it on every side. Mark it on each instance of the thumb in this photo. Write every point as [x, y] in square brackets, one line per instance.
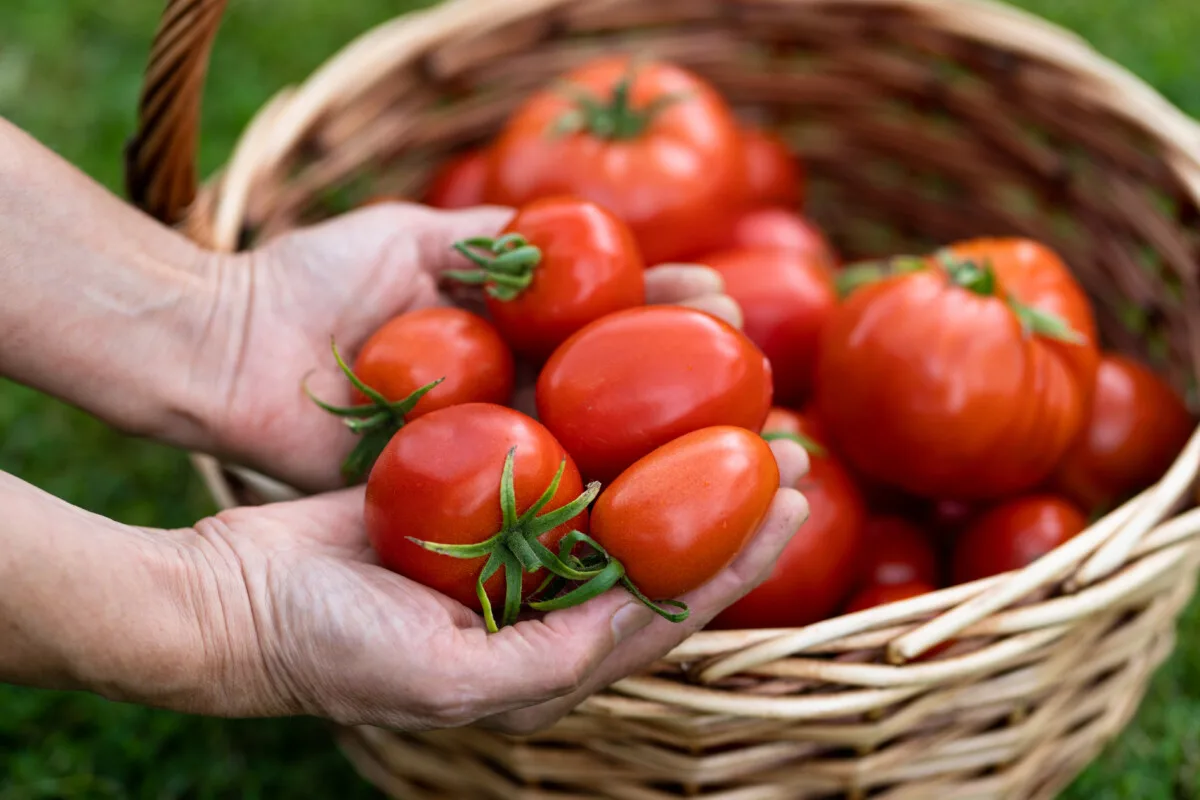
[442, 228]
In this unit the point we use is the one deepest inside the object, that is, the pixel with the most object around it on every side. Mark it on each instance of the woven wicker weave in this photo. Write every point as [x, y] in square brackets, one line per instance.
[920, 121]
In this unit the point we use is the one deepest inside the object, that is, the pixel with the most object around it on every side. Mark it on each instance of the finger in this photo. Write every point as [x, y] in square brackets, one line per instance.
[719, 305]
[668, 284]
[440, 229]
[792, 460]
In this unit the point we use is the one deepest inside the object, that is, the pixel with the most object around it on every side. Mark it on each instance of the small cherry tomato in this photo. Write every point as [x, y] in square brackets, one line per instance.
[440, 480]
[896, 552]
[1014, 534]
[559, 264]
[786, 298]
[459, 182]
[681, 514]
[772, 173]
[632, 381]
[880, 594]
[1136, 428]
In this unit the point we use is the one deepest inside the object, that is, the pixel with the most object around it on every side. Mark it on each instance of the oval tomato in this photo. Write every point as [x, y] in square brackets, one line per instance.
[1014, 534]
[459, 182]
[662, 520]
[662, 152]
[630, 382]
[962, 379]
[1136, 428]
[439, 481]
[819, 566]
[880, 594]
[586, 265]
[897, 552]
[772, 173]
[786, 298]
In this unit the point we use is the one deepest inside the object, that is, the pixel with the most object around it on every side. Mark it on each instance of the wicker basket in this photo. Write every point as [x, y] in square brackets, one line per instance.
[920, 121]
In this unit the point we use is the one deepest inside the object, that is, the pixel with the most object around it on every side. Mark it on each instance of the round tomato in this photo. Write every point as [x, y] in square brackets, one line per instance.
[662, 521]
[459, 182]
[630, 382]
[819, 566]
[897, 552]
[1014, 534]
[964, 378]
[786, 298]
[880, 594]
[779, 227]
[439, 481]
[772, 173]
[559, 264]
[1136, 428]
[661, 151]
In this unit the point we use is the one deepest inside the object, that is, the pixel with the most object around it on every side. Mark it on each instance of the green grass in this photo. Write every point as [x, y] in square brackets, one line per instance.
[69, 73]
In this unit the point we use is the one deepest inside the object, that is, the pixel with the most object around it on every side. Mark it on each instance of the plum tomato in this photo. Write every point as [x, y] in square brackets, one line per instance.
[772, 173]
[459, 182]
[560, 263]
[896, 551]
[879, 594]
[632, 381]
[1013, 534]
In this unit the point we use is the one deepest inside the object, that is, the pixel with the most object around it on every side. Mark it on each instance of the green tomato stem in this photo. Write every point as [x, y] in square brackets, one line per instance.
[504, 269]
[614, 119]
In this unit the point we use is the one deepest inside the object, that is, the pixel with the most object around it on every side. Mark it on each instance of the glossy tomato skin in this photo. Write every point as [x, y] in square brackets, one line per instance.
[897, 552]
[1136, 427]
[880, 594]
[459, 183]
[438, 480]
[590, 267]
[1014, 534]
[418, 347]
[938, 390]
[681, 514]
[776, 226]
[786, 298]
[772, 173]
[819, 567]
[673, 183]
[630, 382]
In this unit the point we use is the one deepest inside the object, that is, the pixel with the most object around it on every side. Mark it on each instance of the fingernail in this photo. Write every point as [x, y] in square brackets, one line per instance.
[629, 619]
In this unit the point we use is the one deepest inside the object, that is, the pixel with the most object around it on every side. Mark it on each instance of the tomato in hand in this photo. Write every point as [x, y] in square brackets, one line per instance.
[559, 264]
[1014, 534]
[786, 298]
[632, 381]
[897, 552]
[1136, 428]
[662, 151]
[681, 514]
[441, 480]
[880, 594]
[820, 565]
[965, 377]
[772, 173]
[459, 182]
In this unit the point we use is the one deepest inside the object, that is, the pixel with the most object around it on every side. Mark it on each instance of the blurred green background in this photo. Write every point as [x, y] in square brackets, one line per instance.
[69, 74]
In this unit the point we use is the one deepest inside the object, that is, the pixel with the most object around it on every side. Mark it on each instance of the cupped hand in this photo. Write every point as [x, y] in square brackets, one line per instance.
[301, 619]
[277, 308]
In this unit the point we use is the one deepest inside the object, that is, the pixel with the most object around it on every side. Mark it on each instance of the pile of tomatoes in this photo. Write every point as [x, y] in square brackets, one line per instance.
[960, 416]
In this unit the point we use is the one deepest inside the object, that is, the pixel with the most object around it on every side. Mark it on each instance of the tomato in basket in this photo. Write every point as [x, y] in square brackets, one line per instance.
[1014, 534]
[896, 551]
[648, 140]
[963, 376]
[560, 263]
[772, 172]
[459, 182]
[880, 594]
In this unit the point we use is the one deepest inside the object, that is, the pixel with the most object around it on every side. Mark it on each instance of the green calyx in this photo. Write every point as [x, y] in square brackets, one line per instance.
[375, 422]
[853, 276]
[614, 119]
[505, 266]
[811, 446]
[516, 548]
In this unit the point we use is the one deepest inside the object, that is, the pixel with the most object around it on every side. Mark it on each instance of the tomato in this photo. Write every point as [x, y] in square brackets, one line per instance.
[664, 519]
[630, 382]
[880, 594]
[786, 297]
[586, 265]
[897, 552]
[662, 152]
[439, 480]
[459, 182]
[1136, 428]
[772, 173]
[773, 226]
[819, 566]
[1014, 534]
[963, 379]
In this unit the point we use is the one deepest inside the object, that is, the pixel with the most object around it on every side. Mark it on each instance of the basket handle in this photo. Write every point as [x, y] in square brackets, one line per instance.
[160, 158]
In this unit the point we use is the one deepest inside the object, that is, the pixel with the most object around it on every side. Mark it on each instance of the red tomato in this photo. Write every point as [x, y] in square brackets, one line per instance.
[930, 381]
[772, 173]
[778, 227]
[664, 519]
[1014, 534]
[663, 154]
[897, 552]
[438, 480]
[786, 298]
[588, 267]
[459, 182]
[1136, 428]
[879, 594]
[630, 382]
[819, 566]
